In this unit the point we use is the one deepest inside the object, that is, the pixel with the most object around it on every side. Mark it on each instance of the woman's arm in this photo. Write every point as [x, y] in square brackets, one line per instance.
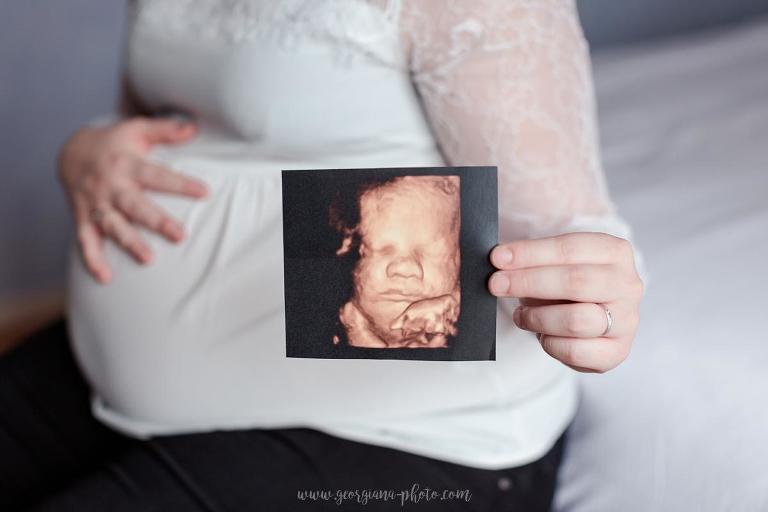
[509, 83]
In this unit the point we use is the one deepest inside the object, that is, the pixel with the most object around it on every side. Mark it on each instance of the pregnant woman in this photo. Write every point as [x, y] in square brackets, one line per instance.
[175, 317]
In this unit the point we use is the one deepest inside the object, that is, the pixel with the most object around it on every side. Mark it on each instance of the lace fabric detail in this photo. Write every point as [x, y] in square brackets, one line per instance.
[367, 25]
[509, 83]
[502, 82]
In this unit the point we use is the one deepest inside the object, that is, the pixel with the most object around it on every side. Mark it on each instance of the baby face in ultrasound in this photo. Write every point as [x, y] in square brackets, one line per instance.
[406, 281]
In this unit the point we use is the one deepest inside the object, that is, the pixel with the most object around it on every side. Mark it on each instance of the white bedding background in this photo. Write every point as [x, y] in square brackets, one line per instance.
[683, 424]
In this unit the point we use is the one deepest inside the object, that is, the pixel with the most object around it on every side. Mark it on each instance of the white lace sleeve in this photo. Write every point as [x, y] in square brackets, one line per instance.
[509, 83]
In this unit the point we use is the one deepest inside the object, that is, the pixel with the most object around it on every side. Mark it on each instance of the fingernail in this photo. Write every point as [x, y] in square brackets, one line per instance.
[517, 315]
[499, 283]
[200, 189]
[501, 256]
[176, 232]
[145, 255]
[104, 276]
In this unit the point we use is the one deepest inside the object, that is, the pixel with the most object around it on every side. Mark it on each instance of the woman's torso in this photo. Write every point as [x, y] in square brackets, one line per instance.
[195, 341]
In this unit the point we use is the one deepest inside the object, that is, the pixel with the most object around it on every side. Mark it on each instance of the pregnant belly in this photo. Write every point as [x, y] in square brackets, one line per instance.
[204, 311]
[196, 339]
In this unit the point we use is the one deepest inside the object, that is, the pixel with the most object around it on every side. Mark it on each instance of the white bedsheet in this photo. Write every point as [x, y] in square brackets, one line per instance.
[683, 424]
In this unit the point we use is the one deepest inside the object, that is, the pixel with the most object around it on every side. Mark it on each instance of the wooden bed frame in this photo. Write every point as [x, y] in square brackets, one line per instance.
[22, 314]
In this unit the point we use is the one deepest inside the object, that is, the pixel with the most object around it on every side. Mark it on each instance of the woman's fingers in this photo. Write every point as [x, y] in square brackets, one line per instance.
[162, 179]
[114, 225]
[561, 282]
[591, 354]
[91, 247]
[90, 241]
[568, 249]
[105, 173]
[141, 210]
[576, 320]
[582, 283]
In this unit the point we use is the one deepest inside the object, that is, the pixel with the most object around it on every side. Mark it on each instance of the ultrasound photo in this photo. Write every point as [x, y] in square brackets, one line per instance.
[390, 263]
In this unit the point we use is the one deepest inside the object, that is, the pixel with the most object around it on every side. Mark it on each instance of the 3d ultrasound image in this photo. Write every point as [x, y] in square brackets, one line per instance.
[406, 281]
[375, 263]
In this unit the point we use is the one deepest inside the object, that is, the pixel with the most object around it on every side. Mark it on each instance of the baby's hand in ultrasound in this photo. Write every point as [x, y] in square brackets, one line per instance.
[429, 317]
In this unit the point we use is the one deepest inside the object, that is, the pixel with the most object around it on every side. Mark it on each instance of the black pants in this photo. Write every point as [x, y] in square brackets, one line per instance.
[55, 456]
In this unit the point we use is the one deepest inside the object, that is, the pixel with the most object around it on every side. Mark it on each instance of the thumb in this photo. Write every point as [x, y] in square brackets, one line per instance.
[398, 322]
[168, 131]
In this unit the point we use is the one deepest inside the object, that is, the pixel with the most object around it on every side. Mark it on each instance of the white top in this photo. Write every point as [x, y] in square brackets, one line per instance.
[195, 341]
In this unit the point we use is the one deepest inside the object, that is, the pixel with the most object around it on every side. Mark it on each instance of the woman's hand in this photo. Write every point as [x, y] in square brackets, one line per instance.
[104, 172]
[561, 283]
